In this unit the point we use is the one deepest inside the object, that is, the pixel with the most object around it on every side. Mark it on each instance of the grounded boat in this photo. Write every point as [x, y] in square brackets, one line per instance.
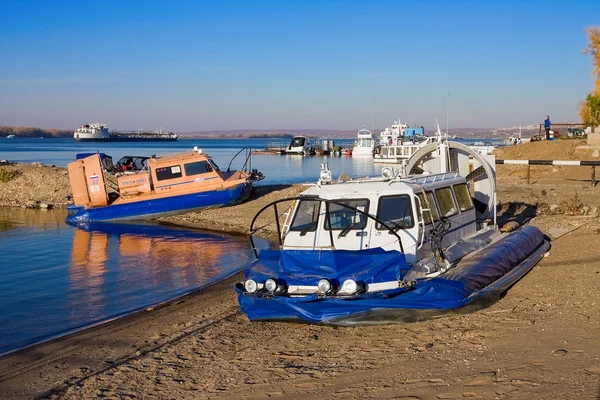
[390, 249]
[483, 148]
[300, 145]
[399, 142]
[97, 132]
[168, 185]
[364, 144]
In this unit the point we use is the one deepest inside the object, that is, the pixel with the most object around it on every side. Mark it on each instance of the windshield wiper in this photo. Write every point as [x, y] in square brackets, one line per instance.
[310, 226]
[345, 231]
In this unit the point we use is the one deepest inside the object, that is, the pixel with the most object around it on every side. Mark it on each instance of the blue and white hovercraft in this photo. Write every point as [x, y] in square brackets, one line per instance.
[391, 249]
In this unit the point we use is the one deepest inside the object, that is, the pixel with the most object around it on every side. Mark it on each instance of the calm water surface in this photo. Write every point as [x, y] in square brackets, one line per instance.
[55, 279]
[277, 169]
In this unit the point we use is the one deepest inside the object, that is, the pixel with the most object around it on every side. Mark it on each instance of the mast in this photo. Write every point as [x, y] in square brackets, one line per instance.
[374, 100]
[447, 113]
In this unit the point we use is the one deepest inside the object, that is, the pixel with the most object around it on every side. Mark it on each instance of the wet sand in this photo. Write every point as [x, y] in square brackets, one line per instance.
[539, 342]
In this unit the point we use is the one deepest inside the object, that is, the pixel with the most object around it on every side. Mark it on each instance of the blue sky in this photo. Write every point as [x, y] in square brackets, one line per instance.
[193, 65]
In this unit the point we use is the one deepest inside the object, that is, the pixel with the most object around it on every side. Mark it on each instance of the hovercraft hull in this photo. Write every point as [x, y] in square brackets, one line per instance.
[158, 207]
[477, 281]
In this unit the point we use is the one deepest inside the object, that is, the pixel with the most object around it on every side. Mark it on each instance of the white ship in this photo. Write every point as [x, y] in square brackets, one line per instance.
[365, 143]
[93, 131]
[98, 132]
[399, 142]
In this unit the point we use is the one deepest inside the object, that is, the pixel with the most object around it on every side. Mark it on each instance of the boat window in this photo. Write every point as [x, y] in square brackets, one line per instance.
[345, 218]
[433, 213]
[307, 216]
[446, 201]
[170, 172]
[463, 197]
[396, 212]
[197, 168]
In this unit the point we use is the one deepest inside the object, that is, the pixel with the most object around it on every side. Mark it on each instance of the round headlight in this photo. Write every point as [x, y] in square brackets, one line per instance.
[325, 175]
[387, 172]
[349, 286]
[271, 285]
[324, 286]
[251, 286]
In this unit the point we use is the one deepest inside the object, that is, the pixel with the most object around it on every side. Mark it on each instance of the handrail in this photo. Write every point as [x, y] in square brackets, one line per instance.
[248, 156]
[327, 215]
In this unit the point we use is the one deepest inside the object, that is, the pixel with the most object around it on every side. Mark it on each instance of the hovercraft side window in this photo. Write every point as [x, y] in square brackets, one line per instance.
[446, 201]
[307, 216]
[343, 218]
[170, 172]
[197, 168]
[463, 197]
[396, 212]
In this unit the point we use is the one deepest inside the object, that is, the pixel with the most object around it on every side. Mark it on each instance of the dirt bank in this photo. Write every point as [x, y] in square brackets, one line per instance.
[34, 184]
[237, 218]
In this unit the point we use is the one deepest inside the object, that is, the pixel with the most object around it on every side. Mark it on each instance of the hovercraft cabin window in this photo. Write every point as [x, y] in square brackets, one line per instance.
[170, 172]
[463, 197]
[342, 217]
[395, 212]
[429, 205]
[446, 201]
[197, 168]
[307, 216]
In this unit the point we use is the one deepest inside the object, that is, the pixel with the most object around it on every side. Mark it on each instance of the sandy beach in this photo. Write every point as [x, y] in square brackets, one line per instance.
[540, 341]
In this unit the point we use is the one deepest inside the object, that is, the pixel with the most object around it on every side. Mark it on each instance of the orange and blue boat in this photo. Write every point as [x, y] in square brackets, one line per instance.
[168, 185]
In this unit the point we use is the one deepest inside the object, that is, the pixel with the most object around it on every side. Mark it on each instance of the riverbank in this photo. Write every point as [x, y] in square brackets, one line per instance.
[31, 185]
[539, 341]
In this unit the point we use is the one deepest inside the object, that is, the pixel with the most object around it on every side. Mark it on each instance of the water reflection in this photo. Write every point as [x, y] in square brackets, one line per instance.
[71, 278]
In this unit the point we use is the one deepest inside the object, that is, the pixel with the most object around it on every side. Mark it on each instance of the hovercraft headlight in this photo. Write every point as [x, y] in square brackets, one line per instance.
[387, 172]
[350, 286]
[271, 285]
[325, 176]
[251, 286]
[324, 286]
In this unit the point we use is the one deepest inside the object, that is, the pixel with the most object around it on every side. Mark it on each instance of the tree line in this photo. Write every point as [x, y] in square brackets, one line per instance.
[26, 131]
[589, 109]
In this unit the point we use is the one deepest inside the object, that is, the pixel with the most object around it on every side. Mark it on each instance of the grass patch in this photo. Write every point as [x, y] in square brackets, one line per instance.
[7, 174]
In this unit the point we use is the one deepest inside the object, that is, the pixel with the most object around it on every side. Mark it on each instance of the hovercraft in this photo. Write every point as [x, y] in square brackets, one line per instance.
[404, 247]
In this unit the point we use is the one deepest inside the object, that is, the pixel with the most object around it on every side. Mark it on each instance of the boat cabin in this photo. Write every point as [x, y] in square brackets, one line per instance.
[176, 174]
[336, 216]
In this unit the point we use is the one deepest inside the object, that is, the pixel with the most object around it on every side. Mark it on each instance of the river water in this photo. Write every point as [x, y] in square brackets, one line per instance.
[55, 279]
[277, 169]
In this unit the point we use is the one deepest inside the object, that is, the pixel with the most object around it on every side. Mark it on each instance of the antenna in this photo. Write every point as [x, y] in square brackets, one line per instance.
[374, 100]
[447, 113]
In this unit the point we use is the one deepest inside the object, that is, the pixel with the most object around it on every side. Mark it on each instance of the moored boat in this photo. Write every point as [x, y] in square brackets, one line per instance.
[390, 249]
[167, 185]
[399, 142]
[364, 144]
[97, 132]
[300, 145]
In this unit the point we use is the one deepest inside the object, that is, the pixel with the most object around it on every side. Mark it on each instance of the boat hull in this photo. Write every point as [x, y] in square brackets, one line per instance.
[159, 207]
[123, 138]
[477, 281]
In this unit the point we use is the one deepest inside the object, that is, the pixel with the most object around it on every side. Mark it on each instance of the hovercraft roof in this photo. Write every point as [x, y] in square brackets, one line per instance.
[382, 187]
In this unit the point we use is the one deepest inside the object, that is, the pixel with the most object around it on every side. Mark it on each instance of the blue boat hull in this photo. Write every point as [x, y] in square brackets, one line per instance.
[159, 207]
[476, 282]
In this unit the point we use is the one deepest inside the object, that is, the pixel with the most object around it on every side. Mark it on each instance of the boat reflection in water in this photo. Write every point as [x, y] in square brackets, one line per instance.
[68, 279]
[126, 266]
